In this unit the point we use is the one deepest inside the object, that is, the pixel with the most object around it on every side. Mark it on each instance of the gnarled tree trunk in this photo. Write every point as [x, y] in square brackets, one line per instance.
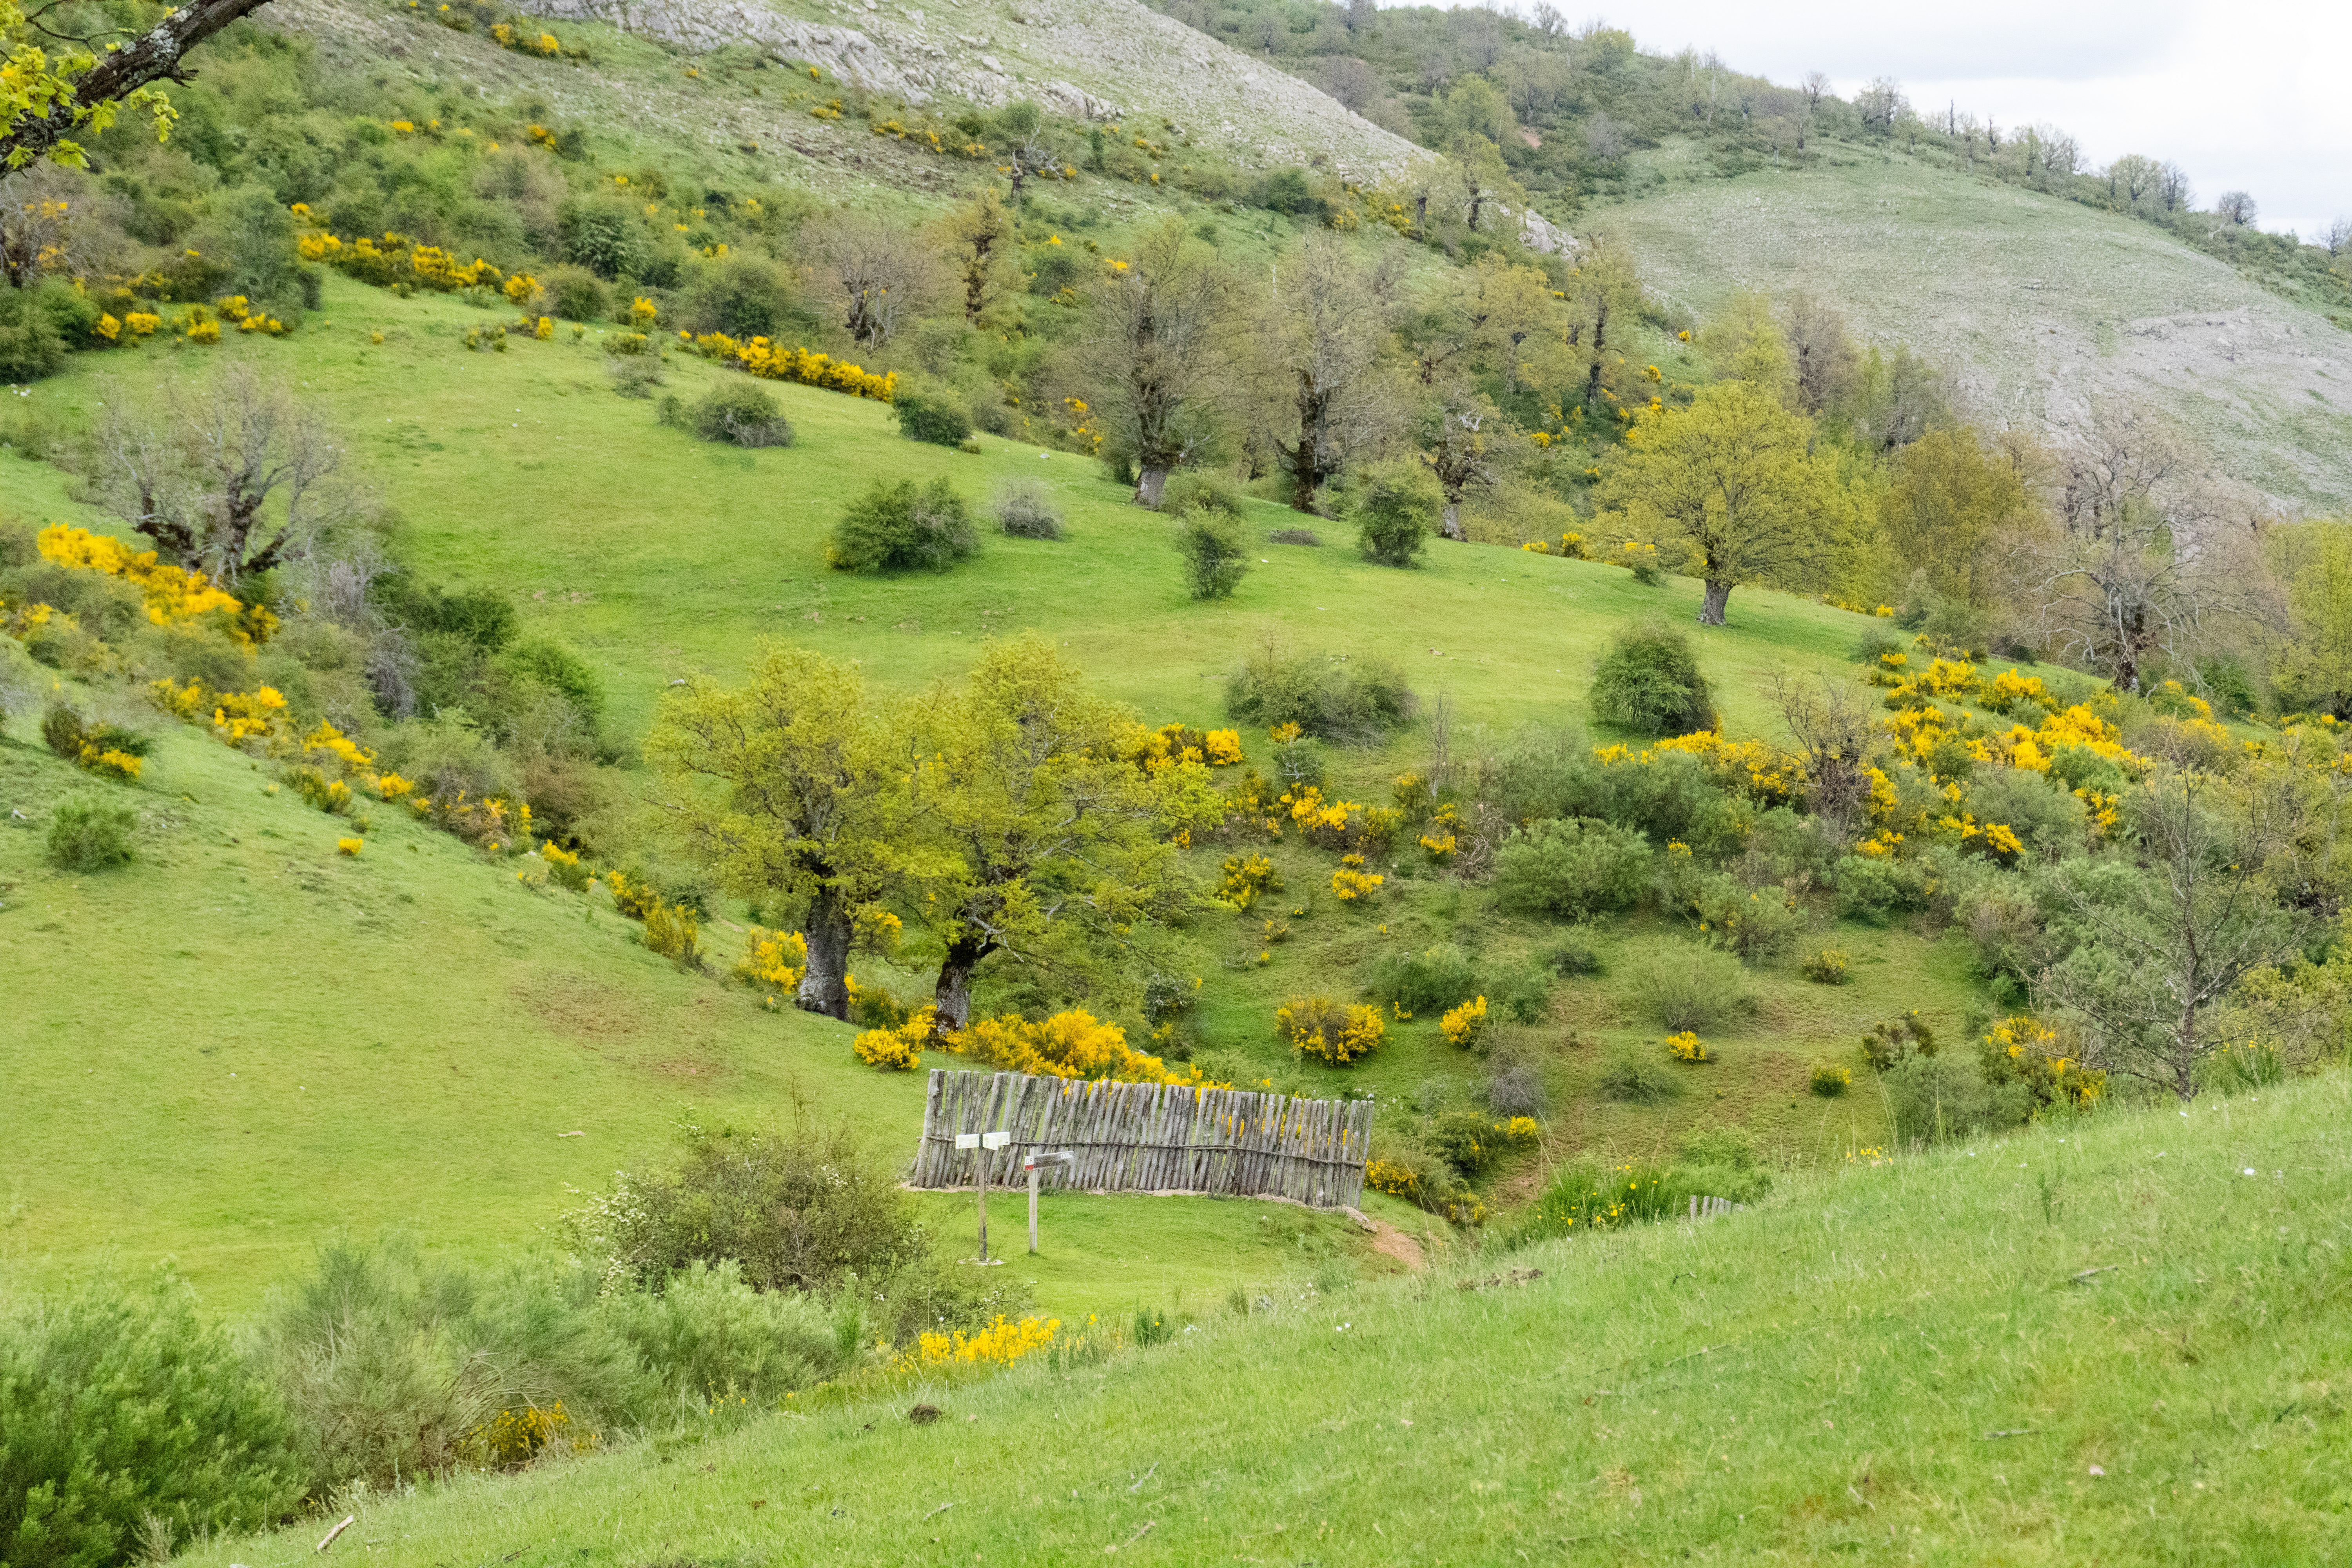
[1149, 484]
[825, 984]
[1710, 609]
[951, 997]
[1450, 522]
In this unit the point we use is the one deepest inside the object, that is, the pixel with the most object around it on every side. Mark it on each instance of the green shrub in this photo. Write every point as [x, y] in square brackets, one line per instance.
[1396, 510]
[37, 326]
[1830, 1080]
[745, 297]
[128, 1427]
[1216, 556]
[396, 1367]
[735, 412]
[1154, 1327]
[1023, 509]
[61, 731]
[1428, 982]
[1190, 489]
[1585, 1196]
[929, 410]
[89, 834]
[1876, 888]
[1352, 700]
[576, 294]
[1524, 993]
[1826, 968]
[1761, 925]
[1570, 869]
[707, 1331]
[1467, 1140]
[1934, 1099]
[1636, 1080]
[1893, 1040]
[899, 527]
[1680, 987]
[1575, 956]
[1649, 682]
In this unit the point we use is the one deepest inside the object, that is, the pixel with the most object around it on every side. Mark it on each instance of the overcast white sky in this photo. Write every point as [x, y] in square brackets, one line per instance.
[2248, 94]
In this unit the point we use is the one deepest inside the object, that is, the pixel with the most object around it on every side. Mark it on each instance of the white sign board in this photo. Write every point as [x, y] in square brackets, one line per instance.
[994, 1140]
[967, 1140]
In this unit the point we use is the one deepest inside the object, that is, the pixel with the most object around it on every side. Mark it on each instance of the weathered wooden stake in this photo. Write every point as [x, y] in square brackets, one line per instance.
[1033, 1210]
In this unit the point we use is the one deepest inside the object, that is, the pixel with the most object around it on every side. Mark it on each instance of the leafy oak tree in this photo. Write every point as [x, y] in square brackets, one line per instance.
[1735, 481]
[1043, 841]
[1158, 353]
[793, 789]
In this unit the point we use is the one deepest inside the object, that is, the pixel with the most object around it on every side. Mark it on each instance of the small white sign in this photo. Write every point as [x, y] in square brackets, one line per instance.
[967, 1140]
[994, 1140]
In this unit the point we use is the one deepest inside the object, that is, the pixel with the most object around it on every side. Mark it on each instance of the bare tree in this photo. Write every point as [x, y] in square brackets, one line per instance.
[1820, 351]
[1158, 348]
[1029, 145]
[2142, 559]
[1813, 88]
[1361, 17]
[1349, 81]
[1324, 336]
[233, 479]
[883, 273]
[2173, 189]
[1601, 143]
[1461, 437]
[2223, 884]
[2131, 178]
[2338, 235]
[2238, 207]
[1881, 104]
[1831, 724]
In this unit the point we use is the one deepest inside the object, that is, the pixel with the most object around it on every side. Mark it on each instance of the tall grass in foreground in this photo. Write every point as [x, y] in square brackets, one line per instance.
[2120, 1340]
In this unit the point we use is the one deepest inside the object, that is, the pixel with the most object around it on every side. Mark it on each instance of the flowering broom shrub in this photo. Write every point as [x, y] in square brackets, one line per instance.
[1687, 1047]
[765, 360]
[1246, 877]
[898, 1048]
[1068, 1045]
[1320, 1027]
[776, 959]
[1466, 1025]
[1001, 1342]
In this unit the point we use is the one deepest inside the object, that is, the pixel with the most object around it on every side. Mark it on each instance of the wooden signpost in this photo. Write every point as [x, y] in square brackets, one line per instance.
[1034, 1161]
[994, 1140]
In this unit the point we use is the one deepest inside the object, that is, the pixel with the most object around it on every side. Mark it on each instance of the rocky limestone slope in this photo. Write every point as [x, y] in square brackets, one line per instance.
[1096, 59]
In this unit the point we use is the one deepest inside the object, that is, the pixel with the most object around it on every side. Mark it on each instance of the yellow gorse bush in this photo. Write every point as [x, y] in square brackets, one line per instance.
[173, 593]
[1393, 1177]
[1074, 1044]
[1685, 1047]
[774, 958]
[1246, 877]
[1466, 1025]
[764, 359]
[898, 1048]
[1319, 1028]
[1002, 1343]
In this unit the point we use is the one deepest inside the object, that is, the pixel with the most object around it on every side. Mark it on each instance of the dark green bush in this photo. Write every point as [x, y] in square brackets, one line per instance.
[1681, 986]
[1934, 1099]
[482, 617]
[39, 325]
[1350, 700]
[1878, 887]
[1190, 489]
[576, 294]
[1023, 509]
[1637, 1079]
[745, 297]
[897, 526]
[1524, 994]
[1216, 556]
[1465, 1140]
[1396, 509]
[1575, 956]
[87, 833]
[1570, 869]
[1428, 982]
[735, 412]
[928, 411]
[128, 1426]
[1649, 682]
[602, 234]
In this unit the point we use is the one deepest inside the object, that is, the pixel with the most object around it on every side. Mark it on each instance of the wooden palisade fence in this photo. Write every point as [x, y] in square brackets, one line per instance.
[1147, 1137]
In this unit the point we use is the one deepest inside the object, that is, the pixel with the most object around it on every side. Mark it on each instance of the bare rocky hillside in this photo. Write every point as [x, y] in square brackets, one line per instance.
[2044, 309]
[1098, 59]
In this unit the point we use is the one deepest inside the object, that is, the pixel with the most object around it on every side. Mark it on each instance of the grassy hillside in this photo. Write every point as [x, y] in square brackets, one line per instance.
[2122, 1342]
[2043, 308]
[365, 1098]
